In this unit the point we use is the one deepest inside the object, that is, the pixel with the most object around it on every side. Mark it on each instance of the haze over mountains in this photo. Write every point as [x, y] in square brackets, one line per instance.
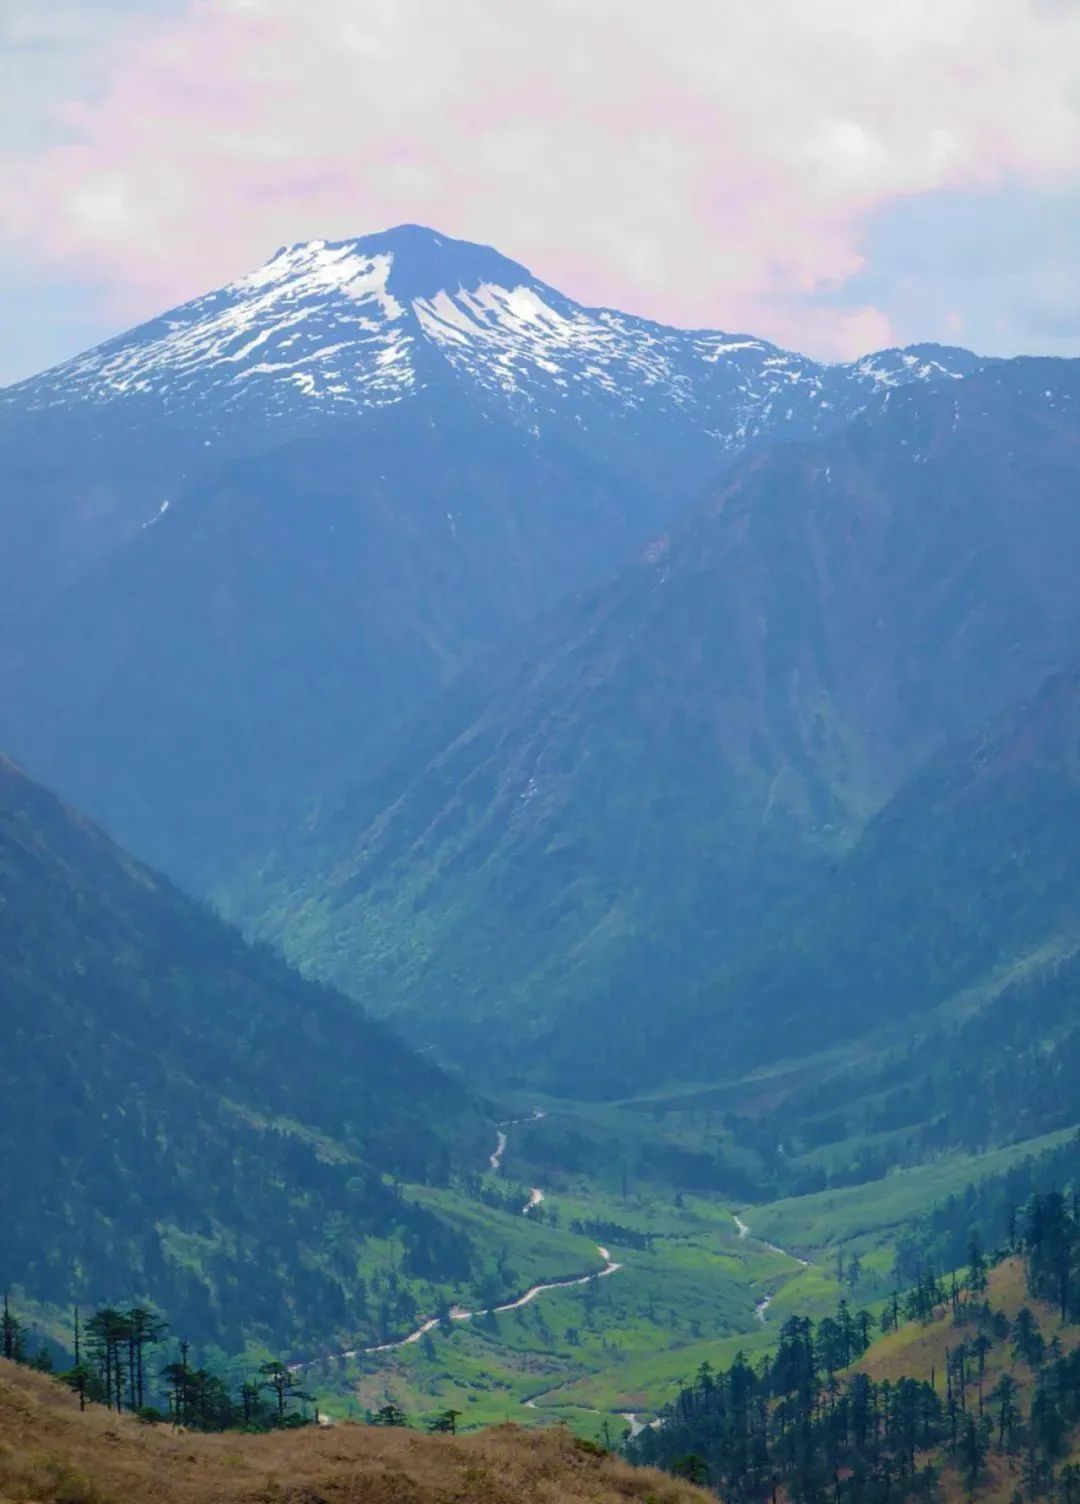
[245, 540]
[510, 662]
[649, 726]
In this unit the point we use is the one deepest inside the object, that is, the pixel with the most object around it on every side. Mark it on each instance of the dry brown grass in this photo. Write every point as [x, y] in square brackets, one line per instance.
[50, 1454]
[917, 1351]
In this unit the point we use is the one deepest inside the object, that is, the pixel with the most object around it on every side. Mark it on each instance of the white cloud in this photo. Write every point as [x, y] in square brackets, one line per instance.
[704, 161]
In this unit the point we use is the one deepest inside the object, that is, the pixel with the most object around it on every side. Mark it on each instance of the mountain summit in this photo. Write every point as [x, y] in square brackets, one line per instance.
[326, 326]
[425, 262]
[247, 537]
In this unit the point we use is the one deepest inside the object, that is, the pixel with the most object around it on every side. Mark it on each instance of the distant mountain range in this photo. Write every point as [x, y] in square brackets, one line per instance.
[244, 541]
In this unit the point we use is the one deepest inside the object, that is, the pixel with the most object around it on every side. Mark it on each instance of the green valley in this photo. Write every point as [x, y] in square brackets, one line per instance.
[703, 1276]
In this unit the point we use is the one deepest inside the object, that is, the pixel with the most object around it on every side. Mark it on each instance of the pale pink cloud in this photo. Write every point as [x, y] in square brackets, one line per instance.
[699, 161]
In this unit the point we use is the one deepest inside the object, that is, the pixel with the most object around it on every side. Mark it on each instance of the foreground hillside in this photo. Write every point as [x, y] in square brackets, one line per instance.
[972, 1392]
[52, 1454]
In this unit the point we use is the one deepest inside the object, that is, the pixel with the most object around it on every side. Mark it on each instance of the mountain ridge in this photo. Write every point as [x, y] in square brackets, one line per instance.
[445, 291]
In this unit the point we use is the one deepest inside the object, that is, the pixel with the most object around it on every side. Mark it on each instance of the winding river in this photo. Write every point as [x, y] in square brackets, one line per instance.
[462, 1313]
[610, 1267]
[761, 1307]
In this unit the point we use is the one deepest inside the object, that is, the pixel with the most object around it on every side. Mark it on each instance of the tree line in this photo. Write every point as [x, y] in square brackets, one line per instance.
[114, 1365]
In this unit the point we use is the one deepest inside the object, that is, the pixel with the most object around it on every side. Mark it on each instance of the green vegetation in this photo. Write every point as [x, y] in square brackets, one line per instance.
[689, 1284]
[283, 1178]
[688, 1281]
[876, 1214]
[311, 1154]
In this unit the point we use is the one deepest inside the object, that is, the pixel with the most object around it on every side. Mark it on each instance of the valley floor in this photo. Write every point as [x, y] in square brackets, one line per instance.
[679, 1279]
[592, 1350]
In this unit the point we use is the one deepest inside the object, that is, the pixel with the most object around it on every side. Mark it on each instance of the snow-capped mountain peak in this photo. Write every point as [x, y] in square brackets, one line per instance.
[334, 327]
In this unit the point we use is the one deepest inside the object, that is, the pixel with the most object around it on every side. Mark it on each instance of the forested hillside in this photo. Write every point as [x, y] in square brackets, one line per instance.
[188, 1121]
[968, 1386]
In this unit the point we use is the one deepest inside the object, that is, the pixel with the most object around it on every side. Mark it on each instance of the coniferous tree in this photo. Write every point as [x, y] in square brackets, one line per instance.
[11, 1334]
[389, 1415]
[146, 1329]
[283, 1383]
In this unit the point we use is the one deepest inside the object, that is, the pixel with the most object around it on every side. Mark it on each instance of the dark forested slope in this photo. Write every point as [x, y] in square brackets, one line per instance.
[184, 1117]
[967, 1387]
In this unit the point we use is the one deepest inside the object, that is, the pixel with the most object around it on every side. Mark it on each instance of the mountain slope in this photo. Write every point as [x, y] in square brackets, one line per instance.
[250, 647]
[196, 1123]
[243, 541]
[955, 1403]
[965, 872]
[581, 831]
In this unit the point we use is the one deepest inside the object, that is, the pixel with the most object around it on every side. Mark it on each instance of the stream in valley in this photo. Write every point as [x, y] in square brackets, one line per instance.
[610, 1267]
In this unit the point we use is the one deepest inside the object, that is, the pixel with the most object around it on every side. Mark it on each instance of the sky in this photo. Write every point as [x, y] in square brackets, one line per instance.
[835, 175]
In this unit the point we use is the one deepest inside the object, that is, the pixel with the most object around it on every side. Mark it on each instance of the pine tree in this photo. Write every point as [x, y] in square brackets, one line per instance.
[976, 1279]
[389, 1415]
[1008, 1412]
[281, 1382]
[146, 1329]
[11, 1334]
